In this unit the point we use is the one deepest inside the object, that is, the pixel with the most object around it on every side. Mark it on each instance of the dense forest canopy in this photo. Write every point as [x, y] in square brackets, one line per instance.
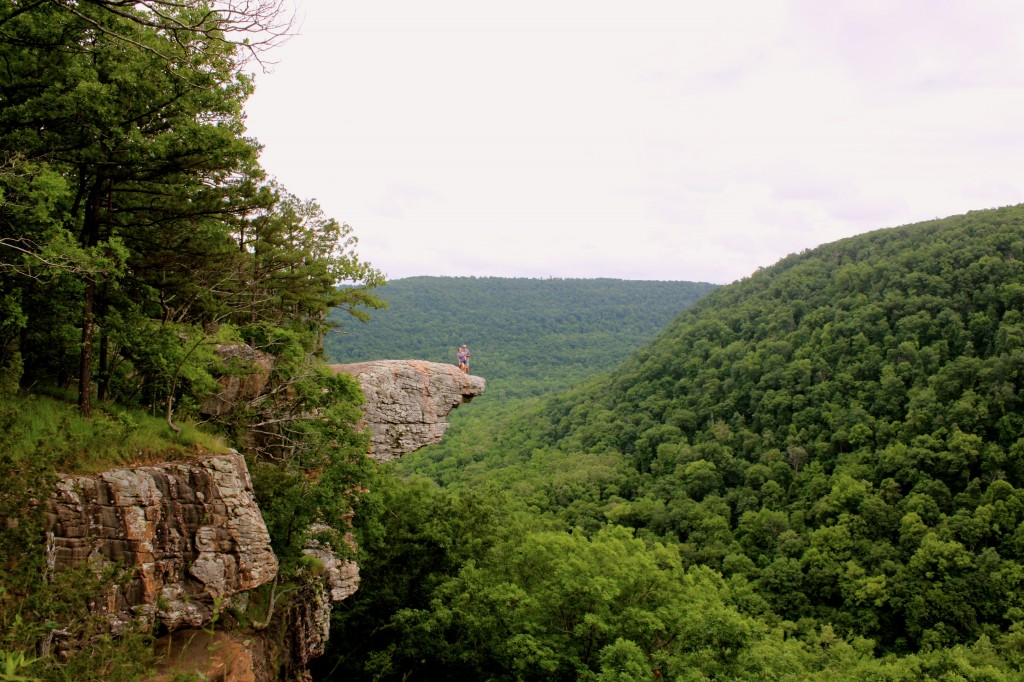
[828, 453]
[843, 429]
[134, 213]
[526, 336]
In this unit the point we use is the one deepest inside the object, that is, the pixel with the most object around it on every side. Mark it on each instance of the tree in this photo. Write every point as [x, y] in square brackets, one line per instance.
[137, 134]
[132, 185]
[296, 259]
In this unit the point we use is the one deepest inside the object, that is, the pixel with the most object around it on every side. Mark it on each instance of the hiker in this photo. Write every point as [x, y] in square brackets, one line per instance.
[464, 358]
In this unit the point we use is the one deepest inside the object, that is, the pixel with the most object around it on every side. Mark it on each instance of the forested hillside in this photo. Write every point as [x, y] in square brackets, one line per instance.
[139, 236]
[527, 336]
[843, 429]
[813, 473]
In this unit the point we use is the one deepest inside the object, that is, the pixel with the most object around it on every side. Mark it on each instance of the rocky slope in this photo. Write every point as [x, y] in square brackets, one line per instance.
[191, 531]
[193, 540]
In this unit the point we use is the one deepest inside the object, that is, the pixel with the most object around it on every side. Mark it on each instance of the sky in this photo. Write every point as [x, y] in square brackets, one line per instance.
[640, 139]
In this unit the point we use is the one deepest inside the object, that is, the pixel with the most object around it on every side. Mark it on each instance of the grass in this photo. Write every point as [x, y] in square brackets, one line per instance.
[114, 437]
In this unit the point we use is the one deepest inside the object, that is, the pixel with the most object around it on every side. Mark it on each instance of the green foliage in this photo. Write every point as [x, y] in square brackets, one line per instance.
[819, 470]
[114, 436]
[843, 421]
[35, 605]
[527, 336]
[412, 536]
[25, 478]
[308, 462]
[134, 215]
[466, 586]
[548, 604]
[814, 473]
[138, 235]
[10, 375]
[12, 663]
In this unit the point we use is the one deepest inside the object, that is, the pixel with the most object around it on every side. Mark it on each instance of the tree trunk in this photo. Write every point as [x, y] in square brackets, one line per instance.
[320, 333]
[90, 237]
[85, 366]
[103, 386]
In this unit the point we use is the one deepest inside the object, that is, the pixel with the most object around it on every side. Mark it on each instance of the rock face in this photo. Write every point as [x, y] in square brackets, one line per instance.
[188, 531]
[248, 376]
[209, 655]
[190, 535]
[407, 401]
[341, 576]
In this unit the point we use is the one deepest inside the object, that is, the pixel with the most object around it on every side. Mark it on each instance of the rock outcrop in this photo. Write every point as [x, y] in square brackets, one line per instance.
[407, 401]
[192, 539]
[219, 655]
[248, 371]
[341, 576]
[189, 532]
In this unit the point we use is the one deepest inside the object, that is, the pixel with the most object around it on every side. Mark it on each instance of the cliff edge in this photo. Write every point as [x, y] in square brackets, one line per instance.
[193, 541]
[408, 401]
[191, 531]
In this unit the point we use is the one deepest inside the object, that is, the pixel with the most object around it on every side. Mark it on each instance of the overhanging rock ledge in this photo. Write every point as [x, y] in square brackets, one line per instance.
[407, 401]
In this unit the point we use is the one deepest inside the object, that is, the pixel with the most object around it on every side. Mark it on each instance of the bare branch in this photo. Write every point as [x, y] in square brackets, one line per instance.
[253, 27]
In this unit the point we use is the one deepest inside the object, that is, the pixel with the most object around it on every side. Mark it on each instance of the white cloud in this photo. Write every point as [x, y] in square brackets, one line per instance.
[664, 140]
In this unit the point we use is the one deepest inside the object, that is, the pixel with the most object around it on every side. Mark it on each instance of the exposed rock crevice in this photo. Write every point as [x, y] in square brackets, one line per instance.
[247, 377]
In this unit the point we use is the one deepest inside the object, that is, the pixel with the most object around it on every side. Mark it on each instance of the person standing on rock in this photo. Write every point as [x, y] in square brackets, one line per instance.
[463, 356]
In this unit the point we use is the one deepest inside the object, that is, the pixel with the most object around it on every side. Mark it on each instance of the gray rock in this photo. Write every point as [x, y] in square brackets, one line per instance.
[407, 401]
[251, 372]
[341, 576]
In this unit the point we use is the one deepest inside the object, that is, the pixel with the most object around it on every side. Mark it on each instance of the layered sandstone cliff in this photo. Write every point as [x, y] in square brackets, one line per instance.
[191, 538]
[408, 401]
[190, 533]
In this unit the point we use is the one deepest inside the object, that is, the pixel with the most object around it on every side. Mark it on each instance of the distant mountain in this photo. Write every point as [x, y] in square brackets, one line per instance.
[526, 336]
[842, 431]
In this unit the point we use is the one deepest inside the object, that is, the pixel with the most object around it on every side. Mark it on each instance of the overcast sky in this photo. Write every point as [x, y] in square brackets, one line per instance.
[640, 139]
